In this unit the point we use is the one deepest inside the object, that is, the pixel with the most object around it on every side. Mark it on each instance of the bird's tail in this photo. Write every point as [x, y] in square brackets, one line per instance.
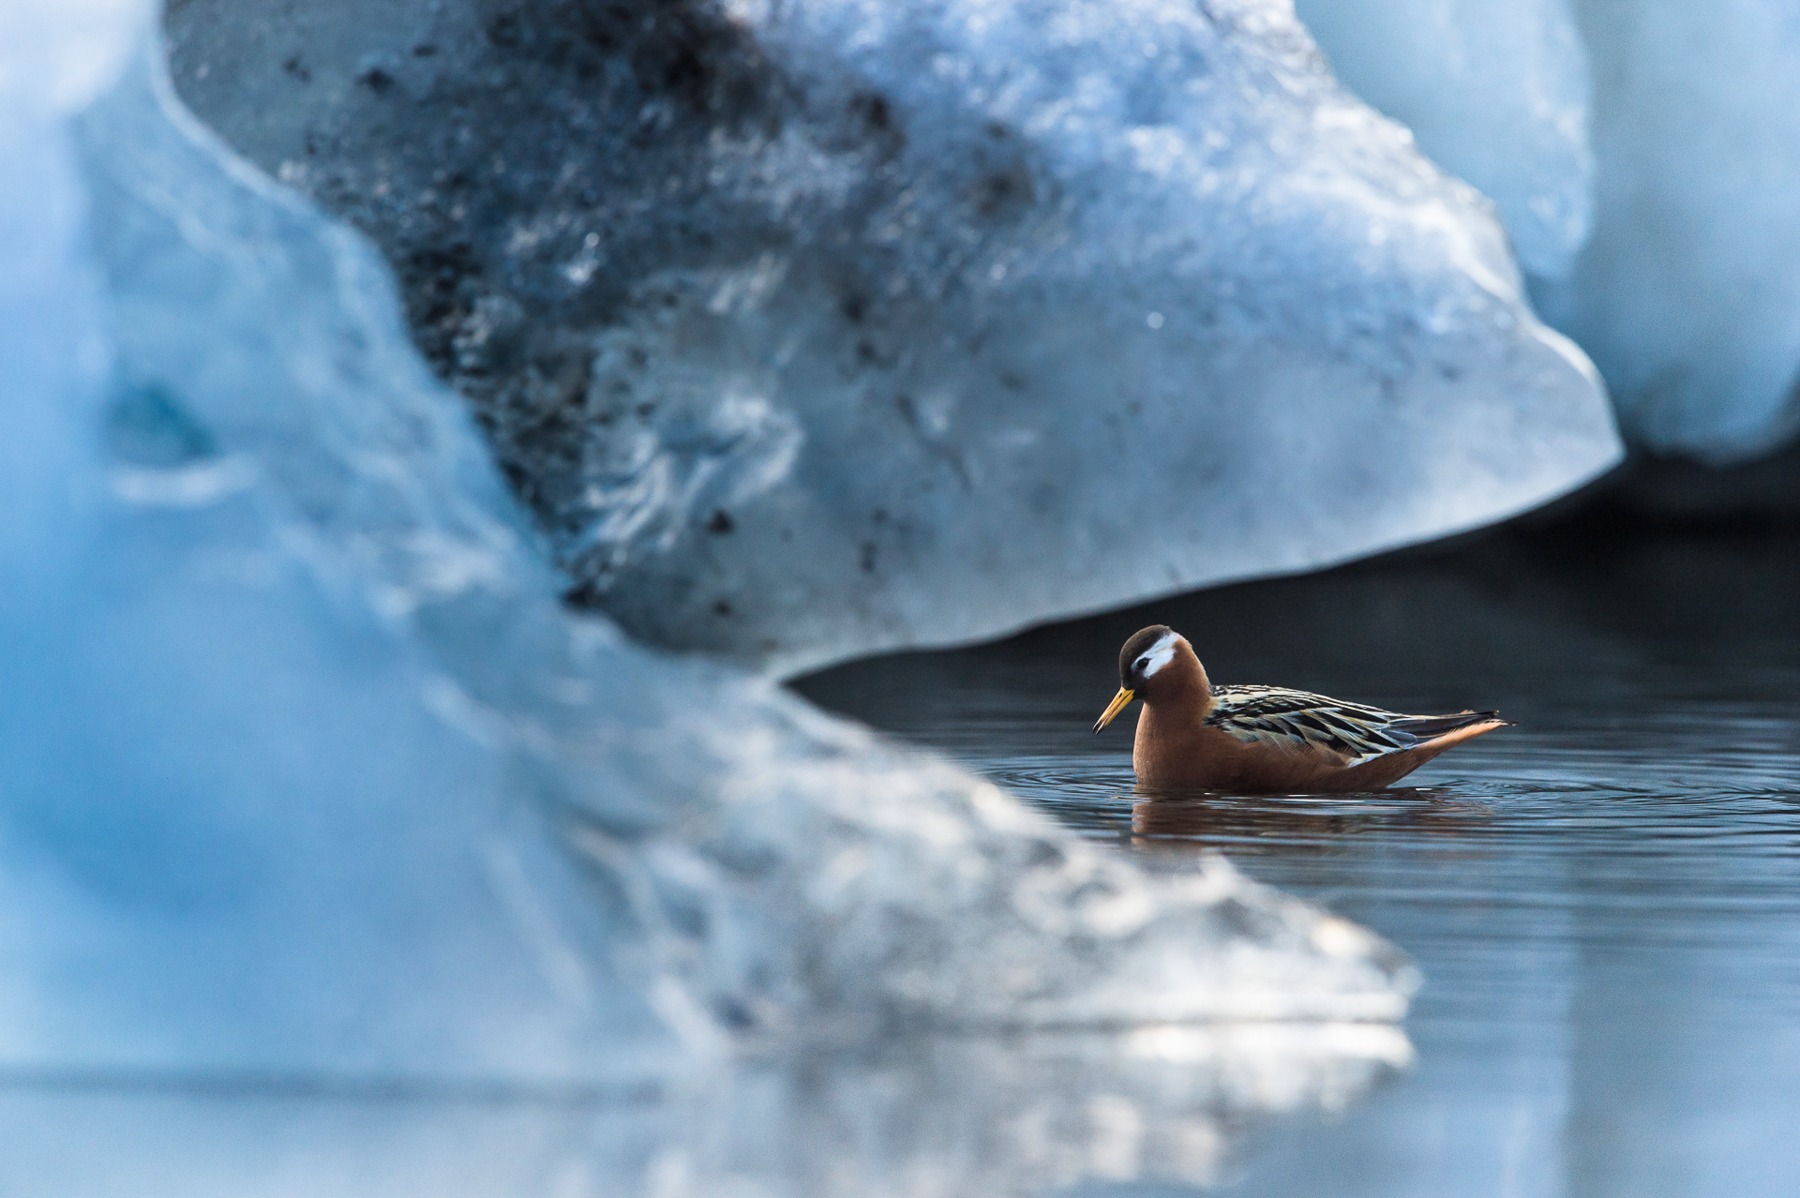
[1431, 727]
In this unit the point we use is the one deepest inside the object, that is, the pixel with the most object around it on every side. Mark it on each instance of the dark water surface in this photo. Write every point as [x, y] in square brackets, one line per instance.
[1604, 900]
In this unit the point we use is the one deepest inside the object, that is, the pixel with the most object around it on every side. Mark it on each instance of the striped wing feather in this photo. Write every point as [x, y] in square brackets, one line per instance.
[1276, 715]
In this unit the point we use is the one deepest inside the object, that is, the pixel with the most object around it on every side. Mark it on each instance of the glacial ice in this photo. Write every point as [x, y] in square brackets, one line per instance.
[309, 773]
[1497, 94]
[1687, 292]
[816, 328]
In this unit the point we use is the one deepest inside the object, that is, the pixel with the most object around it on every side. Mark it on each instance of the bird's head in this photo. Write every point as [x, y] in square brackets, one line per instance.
[1156, 662]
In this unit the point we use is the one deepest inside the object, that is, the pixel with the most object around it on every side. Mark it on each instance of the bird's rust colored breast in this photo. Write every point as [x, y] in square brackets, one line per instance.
[1183, 753]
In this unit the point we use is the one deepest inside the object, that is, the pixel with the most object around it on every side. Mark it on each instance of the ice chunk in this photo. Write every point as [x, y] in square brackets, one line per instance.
[1497, 94]
[1687, 294]
[816, 328]
[308, 771]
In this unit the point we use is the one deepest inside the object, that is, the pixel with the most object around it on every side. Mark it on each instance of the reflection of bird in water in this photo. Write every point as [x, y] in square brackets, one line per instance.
[1303, 825]
[1266, 739]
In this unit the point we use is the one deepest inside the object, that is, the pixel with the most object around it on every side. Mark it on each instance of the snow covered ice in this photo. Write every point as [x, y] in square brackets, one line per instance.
[861, 325]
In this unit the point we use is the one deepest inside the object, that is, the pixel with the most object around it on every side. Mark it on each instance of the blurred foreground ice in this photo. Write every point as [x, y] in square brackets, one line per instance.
[819, 327]
[1675, 123]
[309, 776]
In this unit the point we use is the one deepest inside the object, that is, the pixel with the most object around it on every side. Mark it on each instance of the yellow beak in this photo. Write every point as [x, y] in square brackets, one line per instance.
[1118, 704]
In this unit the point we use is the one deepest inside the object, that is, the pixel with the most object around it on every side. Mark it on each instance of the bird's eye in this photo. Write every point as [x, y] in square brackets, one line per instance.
[1141, 663]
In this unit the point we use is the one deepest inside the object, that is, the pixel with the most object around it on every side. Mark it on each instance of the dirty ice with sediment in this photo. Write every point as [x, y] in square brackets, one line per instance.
[897, 325]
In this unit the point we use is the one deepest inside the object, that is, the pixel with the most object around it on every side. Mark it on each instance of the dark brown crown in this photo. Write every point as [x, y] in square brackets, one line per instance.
[1137, 646]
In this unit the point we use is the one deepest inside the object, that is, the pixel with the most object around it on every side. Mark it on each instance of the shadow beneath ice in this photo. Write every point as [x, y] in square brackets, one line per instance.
[920, 1117]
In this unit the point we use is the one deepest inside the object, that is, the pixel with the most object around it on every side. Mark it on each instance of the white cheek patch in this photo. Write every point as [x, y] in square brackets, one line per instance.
[1160, 655]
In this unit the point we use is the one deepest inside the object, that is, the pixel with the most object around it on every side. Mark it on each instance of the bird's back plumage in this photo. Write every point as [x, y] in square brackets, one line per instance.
[1303, 720]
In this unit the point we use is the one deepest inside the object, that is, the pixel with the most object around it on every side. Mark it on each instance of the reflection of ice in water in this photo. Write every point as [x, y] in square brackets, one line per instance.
[923, 1118]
